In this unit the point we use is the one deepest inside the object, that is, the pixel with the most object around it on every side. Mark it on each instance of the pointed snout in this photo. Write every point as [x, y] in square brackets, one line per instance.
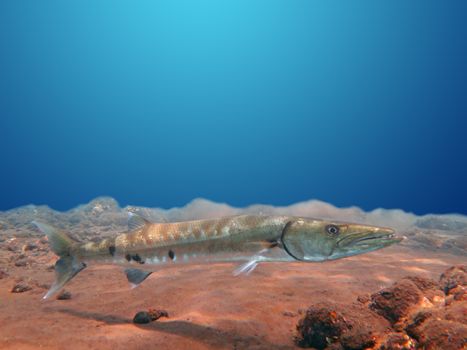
[369, 236]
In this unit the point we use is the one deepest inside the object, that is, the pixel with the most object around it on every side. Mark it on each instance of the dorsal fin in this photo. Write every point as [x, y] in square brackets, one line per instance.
[136, 222]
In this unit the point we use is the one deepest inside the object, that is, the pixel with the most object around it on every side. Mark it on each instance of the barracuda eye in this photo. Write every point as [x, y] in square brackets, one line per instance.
[333, 230]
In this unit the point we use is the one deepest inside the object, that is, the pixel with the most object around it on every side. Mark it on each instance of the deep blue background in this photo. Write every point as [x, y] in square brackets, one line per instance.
[159, 102]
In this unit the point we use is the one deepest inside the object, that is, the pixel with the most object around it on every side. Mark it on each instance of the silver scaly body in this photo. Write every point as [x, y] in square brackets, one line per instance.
[246, 238]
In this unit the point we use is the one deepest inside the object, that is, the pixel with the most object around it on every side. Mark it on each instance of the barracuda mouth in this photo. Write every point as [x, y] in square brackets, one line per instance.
[365, 240]
[377, 240]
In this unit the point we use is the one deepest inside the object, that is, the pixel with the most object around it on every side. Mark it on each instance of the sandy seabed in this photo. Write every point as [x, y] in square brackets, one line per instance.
[208, 307]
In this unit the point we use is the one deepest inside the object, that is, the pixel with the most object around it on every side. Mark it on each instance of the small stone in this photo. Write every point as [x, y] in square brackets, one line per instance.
[64, 295]
[21, 262]
[289, 314]
[364, 299]
[3, 274]
[155, 314]
[28, 247]
[45, 286]
[142, 317]
[20, 288]
[12, 247]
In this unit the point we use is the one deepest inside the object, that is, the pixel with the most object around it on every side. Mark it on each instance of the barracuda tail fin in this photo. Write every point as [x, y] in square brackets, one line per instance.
[68, 266]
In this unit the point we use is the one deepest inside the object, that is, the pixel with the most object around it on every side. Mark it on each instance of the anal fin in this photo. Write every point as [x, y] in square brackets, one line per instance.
[136, 276]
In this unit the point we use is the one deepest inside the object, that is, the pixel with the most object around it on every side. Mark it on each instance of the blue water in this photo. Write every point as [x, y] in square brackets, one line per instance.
[159, 102]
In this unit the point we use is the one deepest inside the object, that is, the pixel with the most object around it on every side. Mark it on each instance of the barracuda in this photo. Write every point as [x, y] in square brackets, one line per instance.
[250, 239]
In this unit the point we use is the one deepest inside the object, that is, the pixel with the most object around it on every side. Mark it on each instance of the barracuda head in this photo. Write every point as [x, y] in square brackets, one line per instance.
[317, 240]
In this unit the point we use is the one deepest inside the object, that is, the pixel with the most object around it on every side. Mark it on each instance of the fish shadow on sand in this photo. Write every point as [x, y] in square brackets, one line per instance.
[209, 335]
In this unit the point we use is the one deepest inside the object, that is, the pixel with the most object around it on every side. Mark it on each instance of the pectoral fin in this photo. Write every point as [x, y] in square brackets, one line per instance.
[251, 264]
[136, 276]
[246, 268]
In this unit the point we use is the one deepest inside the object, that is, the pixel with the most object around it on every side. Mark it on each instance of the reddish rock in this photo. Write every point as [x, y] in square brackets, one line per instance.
[414, 325]
[456, 312]
[3, 274]
[396, 302]
[64, 295]
[335, 346]
[430, 289]
[459, 293]
[445, 326]
[21, 262]
[320, 327]
[29, 246]
[20, 288]
[422, 283]
[453, 277]
[456, 294]
[289, 314]
[42, 285]
[441, 334]
[155, 314]
[142, 317]
[357, 339]
[399, 341]
[12, 247]
[364, 299]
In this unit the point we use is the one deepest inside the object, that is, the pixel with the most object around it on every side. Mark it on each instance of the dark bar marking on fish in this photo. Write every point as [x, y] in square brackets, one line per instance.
[138, 259]
[128, 257]
[171, 254]
[112, 250]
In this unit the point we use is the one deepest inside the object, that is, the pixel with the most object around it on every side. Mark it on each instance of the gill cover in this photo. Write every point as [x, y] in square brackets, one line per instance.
[291, 242]
[307, 240]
